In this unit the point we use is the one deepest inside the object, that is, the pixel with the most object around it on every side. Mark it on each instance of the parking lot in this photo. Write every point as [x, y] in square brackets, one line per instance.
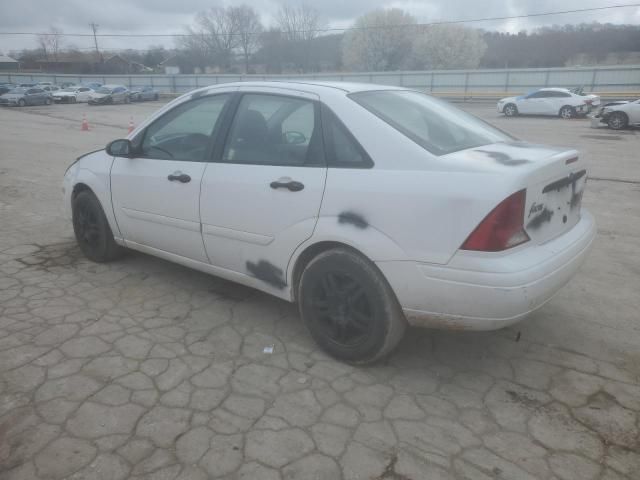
[145, 369]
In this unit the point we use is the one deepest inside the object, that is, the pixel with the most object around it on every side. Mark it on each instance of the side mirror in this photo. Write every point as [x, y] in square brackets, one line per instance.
[120, 148]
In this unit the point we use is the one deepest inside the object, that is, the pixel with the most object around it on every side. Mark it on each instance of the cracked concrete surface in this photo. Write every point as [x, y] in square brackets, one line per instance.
[143, 369]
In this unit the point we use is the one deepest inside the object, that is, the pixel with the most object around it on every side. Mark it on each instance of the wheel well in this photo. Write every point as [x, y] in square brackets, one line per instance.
[79, 187]
[566, 106]
[309, 254]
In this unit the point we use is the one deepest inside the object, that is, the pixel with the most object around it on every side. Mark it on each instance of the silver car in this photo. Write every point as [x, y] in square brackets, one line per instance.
[23, 96]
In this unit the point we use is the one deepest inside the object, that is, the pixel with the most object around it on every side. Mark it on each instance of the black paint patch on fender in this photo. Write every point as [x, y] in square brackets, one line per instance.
[543, 217]
[267, 272]
[503, 158]
[353, 218]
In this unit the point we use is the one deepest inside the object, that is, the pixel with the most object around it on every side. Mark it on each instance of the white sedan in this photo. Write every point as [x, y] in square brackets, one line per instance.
[619, 115]
[548, 101]
[372, 207]
[72, 95]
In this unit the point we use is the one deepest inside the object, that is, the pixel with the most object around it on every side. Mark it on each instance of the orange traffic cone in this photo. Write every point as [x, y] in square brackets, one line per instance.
[131, 126]
[85, 123]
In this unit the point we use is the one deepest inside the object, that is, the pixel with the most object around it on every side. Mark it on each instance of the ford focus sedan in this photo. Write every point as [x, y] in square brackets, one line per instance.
[371, 207]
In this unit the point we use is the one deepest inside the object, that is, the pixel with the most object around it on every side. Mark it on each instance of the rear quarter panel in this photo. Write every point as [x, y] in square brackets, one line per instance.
[423, 206]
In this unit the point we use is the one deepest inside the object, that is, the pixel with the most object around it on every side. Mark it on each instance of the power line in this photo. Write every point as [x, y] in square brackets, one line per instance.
[327, 30]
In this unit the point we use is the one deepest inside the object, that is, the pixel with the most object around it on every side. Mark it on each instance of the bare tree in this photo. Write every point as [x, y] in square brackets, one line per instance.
[249, 28]
[51, 42]
[212, 39]
[300, 25]
[219, 32]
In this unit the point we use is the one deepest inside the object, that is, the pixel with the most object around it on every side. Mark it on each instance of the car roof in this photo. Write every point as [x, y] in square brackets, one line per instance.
[554, 89]
[113, 85]
[308, 86]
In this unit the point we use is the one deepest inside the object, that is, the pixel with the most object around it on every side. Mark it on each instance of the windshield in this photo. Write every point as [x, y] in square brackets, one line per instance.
[433, 124]
[70, 89]
[103, 90]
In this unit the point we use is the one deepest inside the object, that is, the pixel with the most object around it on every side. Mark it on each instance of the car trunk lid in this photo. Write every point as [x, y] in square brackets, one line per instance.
[554, 180]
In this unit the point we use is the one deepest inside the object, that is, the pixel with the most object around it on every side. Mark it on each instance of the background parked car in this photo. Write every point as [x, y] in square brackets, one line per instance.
[6, 87]
[618, 115]
[27, 85]
[49, 88]
[22, 96]
[547, 101]
[138, 94]
[72, 95]
[108, 94]
[590, 98]
[92, 85]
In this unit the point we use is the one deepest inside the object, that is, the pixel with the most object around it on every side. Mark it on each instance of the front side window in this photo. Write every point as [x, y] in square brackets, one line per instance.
[184, 132]
[434, 124]
[274, 130]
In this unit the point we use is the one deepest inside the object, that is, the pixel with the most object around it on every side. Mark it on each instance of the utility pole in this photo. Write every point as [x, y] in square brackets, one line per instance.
[94, 27]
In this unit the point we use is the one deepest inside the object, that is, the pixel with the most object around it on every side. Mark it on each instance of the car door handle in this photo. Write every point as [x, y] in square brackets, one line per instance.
[291, 185]
[180, 177]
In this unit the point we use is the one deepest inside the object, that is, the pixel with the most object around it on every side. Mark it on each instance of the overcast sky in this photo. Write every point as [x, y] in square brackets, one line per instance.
[170, 16]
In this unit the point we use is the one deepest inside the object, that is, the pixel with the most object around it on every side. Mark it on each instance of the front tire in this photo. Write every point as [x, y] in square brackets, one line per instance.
[92, 229]
[617, 121]
[567, 112]
[21, 102]
[47, 101]
[510, 110]
[349, 308]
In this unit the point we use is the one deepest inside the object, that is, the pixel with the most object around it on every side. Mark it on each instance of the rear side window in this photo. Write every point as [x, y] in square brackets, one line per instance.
[275, 130]
[341, 148]
[434, 124]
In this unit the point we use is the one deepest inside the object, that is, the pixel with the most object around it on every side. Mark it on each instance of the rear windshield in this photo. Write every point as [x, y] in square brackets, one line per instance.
[103, 90]
[433, 124]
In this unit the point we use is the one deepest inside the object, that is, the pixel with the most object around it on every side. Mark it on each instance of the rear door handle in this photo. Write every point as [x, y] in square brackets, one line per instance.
[290, 185]
[179, 177]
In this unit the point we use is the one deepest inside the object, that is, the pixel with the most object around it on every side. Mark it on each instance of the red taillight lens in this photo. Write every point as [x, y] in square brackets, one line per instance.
[503, 228]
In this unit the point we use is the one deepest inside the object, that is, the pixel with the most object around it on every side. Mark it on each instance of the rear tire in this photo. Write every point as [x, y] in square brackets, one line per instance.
[92, 229]
[21, 102]
[349, 308]
[618, 121]
[567, 112]
[73, 100]
[155, 97]
[47, 101]
[510, 110]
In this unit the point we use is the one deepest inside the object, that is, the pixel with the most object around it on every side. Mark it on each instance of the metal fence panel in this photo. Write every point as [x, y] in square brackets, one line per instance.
[610, 79]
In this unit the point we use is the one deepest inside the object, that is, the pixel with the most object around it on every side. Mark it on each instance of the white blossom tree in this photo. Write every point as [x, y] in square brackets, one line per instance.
[380, 40]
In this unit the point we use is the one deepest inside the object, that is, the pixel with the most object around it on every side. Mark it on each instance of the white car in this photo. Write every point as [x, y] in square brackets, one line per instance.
[619, 115]
[370, 206]
[72, 95]
[548, 101]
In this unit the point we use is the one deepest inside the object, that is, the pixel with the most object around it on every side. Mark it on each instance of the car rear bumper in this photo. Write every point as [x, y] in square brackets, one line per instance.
[484, 291]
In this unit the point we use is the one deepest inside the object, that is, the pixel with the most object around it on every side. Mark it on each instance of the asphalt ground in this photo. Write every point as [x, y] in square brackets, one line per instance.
[145, 369]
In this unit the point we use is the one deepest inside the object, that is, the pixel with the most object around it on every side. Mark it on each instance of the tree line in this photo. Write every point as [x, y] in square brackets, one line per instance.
[234, 39]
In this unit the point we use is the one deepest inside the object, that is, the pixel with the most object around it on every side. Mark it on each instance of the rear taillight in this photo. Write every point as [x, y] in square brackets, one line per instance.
[503, 228]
